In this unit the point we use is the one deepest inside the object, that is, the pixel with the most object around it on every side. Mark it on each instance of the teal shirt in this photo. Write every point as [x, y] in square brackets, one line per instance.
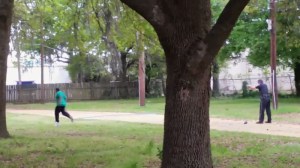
[61, 98]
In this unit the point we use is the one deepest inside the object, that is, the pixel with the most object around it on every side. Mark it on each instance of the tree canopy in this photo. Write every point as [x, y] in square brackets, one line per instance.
[251, 32]
[96, 38]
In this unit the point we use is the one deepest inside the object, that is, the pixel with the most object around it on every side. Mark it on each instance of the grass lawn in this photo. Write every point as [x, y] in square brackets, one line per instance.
[131, 105]
[224, 108]
[249, 108]
[36, 142]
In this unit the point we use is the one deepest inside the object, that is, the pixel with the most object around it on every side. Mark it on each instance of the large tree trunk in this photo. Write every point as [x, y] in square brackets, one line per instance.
[186, 133]
[297, 78]
[5, 23]
[190, 45]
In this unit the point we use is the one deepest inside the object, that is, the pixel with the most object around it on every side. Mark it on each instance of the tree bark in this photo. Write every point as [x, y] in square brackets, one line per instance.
[190, 45]
[5, 23]
[186, 134]
[297, 78]
[216, 84]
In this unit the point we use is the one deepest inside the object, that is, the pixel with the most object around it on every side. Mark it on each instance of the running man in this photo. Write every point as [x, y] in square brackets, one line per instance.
[61, 103]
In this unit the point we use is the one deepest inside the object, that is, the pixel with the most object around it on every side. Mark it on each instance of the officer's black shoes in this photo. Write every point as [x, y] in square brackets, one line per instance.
[268, 122]
[258, 122]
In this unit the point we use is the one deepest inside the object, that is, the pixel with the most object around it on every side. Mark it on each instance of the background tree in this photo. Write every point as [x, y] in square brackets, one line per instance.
[72, 30]
[234, 46]
[289, 37]
[190, 45]
[66, 34]
[16, 37]
[155, 69]
[288, 34]
[154, 60]
[253, 21]
[6, 8]
[217, 6]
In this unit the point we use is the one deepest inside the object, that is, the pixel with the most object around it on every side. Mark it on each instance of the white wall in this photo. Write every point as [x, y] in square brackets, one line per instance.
[57, 74]
[237, 71]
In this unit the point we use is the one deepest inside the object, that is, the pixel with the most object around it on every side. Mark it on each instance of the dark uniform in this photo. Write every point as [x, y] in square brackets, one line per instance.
[264, 103]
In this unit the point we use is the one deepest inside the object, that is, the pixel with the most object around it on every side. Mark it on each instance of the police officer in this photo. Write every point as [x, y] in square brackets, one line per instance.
[264, 101]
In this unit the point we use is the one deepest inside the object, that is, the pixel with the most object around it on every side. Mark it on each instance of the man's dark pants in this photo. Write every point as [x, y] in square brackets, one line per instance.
[264, 105]
[61, 109]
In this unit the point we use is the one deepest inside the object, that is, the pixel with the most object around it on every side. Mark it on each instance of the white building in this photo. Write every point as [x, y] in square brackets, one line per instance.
[55, 73]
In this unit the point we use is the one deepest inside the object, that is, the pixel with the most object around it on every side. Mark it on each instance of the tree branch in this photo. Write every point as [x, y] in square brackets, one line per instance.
[97, 17]
[145, 8]
[222, 29]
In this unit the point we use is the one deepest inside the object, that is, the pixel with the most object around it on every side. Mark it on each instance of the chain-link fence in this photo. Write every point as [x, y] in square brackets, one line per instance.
[285, 84]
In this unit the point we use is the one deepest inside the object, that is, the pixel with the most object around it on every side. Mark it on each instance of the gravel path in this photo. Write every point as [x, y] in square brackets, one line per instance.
[282, 129]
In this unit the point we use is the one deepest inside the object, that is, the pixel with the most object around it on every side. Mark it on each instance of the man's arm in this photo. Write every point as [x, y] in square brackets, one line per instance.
[252, 87]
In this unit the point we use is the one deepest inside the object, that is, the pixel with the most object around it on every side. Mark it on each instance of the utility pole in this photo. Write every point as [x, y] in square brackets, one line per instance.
[141, 54]
[273, 52]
